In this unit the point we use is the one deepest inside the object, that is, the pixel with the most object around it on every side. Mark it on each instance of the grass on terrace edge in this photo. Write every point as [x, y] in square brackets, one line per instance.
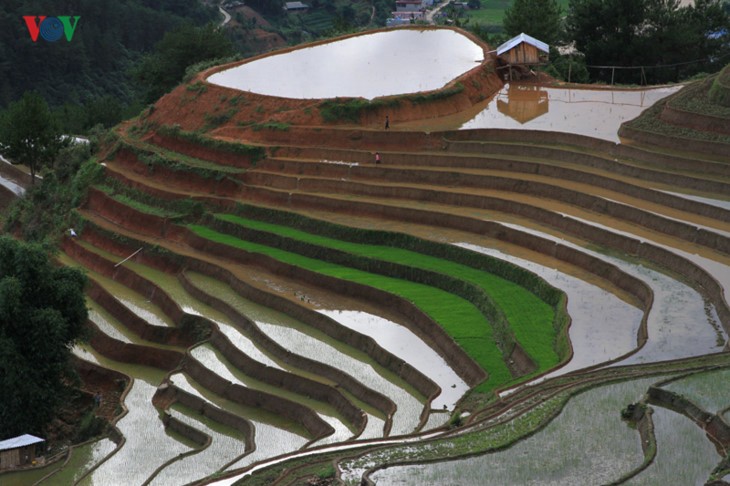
[529, 317]
[459, 318]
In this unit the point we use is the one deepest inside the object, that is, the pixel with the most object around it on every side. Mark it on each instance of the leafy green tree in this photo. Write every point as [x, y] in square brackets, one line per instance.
[30, 133]
[667, 41]
[165, 67]
[539, 18]
[42, 314]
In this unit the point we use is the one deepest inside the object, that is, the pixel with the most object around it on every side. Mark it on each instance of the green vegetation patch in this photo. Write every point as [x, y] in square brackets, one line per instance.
[253, 152]
[350, 109]
[719, 92]
[528, 316]
[459, 318]
[698, 98]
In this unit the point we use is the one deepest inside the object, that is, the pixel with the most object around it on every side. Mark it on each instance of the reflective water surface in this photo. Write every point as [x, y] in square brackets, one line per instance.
[368, 66]
[592, 112]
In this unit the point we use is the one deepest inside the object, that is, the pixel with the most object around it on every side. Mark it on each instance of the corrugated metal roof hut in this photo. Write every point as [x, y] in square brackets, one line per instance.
[18, 451]
[523, 50]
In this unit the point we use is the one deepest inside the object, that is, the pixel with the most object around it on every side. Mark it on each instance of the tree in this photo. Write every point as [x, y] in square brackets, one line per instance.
[539, 18]
[662, 41]
[42, 314]
[30, 133]
[164, 69]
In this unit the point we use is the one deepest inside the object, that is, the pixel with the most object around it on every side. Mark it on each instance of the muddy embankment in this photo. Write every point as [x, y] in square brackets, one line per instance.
[674, 142]
[290, 410]
[698, 277]
[169, 360]
[278, 378]
[456, 178]
[183, 180]
[425, 327]
[201, 105]
[714, 426]
[168, 394]
[436, 180]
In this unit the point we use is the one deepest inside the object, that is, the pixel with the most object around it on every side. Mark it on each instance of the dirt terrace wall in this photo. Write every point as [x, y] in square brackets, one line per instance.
[373, 398]
[201, 152]
[696, 121]
[207, 409]
[192, 105]
[185, 180]
[716, 428]
[292, 411]
[188, 431]
[673, 142]
[598, 267]
[646, 219]
[351, 139]
[288, 381]
[412, 174]
[122, 214]
[425, 327]
[597, 161]
[164, 359]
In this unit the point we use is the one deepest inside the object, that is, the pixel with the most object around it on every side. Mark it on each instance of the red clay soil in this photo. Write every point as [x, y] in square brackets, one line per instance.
[199, 105]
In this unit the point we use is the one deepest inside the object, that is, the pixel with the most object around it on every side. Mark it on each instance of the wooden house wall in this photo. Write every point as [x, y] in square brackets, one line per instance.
[17, 457]
[523, 54]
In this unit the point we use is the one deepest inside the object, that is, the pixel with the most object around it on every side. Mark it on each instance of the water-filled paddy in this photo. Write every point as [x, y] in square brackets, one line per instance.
[596, 337]
[214, 361]
[147, 444]
[272, 437]
[403, 343]
[307, 342]
[684, 454]
[587, 440]
[226, 445]
[589, 112]
[678, 323]
[377, 64]
[702, 389]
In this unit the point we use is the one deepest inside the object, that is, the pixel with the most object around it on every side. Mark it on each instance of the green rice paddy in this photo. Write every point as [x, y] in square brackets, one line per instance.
[461, 320]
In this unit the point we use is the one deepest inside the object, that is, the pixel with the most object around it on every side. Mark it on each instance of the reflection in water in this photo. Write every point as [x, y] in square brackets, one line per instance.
[403, 343]
[524, 102]
[594, 113]
[368, 66]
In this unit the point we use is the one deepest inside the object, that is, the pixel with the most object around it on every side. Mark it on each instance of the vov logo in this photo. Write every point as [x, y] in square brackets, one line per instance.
[51, 28]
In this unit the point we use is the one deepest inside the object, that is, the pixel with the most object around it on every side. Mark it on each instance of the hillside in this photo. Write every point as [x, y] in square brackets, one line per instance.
[477, 296]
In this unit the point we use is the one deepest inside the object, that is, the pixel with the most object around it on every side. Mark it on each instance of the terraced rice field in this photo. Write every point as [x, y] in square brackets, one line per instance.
[481, 305]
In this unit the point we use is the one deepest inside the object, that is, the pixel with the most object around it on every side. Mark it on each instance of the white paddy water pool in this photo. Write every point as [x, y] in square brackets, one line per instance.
[378, 64]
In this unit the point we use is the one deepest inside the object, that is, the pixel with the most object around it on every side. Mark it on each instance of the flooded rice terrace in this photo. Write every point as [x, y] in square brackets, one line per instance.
[588, 439]
[591, 112]
[368, 66]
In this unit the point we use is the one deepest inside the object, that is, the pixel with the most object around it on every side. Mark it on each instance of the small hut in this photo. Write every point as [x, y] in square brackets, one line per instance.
[521, 52]
[19, 451]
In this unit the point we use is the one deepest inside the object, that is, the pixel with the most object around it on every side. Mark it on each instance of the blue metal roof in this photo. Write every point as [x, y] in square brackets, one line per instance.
[522, 38]
[20, 441]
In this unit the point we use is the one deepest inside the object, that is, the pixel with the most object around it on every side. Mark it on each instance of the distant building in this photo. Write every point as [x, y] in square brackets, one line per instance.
[408, 17]
[296, 7]
[524, 49]
[408, 5]
[520, 52]
[19, 451]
